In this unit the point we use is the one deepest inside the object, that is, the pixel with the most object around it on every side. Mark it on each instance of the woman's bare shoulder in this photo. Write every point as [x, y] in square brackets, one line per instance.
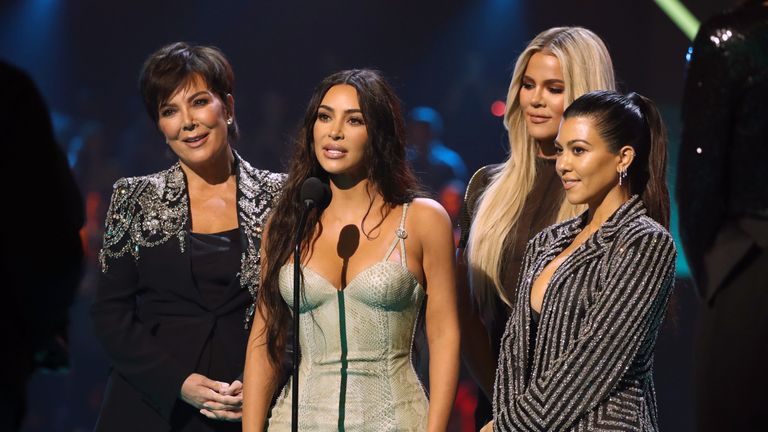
[427, 209]
[427, 218]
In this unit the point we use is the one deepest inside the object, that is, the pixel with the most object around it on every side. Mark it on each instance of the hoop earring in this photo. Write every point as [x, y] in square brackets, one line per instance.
[622, 175]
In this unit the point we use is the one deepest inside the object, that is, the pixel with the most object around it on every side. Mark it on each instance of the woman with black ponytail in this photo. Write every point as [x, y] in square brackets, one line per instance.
[577, 353]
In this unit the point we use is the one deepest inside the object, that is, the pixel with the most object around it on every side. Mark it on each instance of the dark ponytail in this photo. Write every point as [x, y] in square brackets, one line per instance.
[632, 120]
[655, 194]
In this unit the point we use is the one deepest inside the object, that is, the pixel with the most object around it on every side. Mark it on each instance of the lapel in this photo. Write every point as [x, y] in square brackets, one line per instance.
[256, 190]
[251, 222]
[557, 238]
[597, 244]
[184, 243]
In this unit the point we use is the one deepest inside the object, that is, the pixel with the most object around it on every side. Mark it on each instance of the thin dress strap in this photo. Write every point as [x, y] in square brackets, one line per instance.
[400, 236]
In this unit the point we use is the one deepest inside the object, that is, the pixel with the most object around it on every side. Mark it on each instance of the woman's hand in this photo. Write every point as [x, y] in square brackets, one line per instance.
[221, 400]
[488, 427]
[219, 411]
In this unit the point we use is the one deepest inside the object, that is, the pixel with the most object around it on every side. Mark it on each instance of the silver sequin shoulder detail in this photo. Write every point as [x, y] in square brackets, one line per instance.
[144, 212]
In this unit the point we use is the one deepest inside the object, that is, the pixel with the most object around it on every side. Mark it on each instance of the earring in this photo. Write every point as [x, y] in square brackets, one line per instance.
[622, 175]
[229, 121]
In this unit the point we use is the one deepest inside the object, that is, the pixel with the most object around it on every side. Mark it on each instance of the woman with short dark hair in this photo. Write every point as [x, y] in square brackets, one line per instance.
[180, 261]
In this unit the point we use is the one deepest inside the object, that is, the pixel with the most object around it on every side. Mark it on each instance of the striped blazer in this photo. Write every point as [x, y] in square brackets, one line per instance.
[590, 367]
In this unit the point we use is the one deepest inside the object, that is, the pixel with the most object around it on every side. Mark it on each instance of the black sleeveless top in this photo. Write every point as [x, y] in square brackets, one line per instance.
[215, 261]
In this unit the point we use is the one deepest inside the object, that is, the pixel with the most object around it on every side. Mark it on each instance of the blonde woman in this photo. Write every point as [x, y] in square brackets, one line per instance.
[508, 203]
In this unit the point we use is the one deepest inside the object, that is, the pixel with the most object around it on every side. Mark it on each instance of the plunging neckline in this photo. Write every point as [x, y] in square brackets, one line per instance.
[555, 272]
[549, 282]
[591, 237]
[358, 275]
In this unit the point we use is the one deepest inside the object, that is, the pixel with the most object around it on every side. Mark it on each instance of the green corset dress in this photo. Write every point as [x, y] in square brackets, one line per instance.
[356, 372]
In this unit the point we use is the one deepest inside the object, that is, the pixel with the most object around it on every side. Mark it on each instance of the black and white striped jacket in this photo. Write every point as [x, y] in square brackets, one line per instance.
[591, 365]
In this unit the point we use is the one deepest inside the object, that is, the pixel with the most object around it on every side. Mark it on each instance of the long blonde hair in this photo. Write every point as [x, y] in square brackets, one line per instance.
[586, 66]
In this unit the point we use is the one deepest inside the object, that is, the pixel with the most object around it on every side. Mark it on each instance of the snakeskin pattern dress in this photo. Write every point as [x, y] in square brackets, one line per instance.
[356, 371]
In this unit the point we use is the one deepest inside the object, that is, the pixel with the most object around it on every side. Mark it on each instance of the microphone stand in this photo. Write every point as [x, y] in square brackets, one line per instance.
[308, 205]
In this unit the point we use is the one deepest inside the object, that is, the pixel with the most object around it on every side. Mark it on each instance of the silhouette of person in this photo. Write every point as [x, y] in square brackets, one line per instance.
[42, 251]
[723, 206]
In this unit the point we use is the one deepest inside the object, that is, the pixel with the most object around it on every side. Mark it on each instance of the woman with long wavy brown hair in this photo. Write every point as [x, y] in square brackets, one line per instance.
[373, 260]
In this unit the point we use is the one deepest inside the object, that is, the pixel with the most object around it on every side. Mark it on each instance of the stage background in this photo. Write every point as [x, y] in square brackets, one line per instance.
[456, 56]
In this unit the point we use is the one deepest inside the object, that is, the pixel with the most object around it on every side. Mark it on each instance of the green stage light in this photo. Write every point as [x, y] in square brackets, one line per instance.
[681, 16]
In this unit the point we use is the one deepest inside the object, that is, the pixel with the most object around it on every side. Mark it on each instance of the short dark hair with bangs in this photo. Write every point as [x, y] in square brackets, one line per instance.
[174, 65]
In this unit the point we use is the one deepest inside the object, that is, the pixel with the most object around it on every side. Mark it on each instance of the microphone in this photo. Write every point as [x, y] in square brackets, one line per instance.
[315, 193]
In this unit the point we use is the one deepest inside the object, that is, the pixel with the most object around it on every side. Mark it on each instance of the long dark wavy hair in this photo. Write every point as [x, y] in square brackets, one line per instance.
[388, 173]
[635, 121]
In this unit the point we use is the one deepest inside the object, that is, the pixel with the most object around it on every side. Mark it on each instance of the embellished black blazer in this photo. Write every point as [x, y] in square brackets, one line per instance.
[148, 313]
[590, 366]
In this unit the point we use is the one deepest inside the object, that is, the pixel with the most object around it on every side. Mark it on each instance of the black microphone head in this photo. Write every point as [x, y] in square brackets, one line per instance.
[315, 193]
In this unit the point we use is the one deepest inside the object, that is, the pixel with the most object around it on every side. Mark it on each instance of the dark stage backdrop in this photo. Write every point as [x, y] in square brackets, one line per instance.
[456, 56]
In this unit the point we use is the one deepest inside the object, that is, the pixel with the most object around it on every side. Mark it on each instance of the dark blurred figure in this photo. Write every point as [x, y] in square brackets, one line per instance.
[440, 169]
[723, 202]
[42, 252]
